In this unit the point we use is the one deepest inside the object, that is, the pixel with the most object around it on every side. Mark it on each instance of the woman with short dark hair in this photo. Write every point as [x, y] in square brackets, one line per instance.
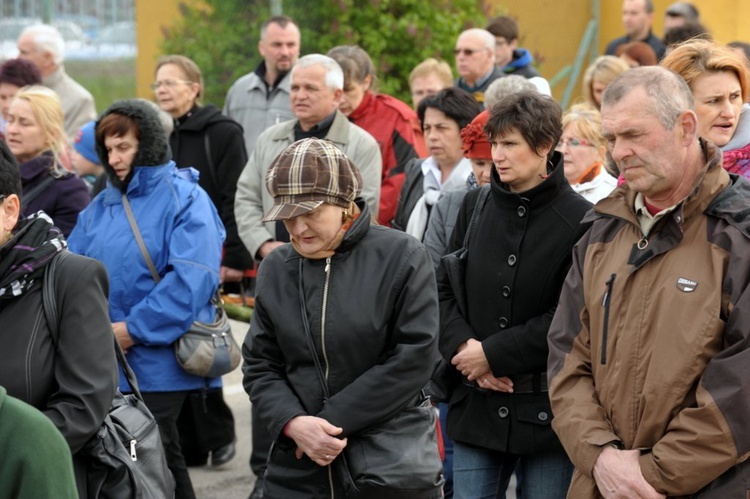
[497, 301]
[442, 116]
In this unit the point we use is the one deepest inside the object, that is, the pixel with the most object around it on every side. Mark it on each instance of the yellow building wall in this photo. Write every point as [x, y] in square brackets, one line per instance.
[551, 29]
[152, 16]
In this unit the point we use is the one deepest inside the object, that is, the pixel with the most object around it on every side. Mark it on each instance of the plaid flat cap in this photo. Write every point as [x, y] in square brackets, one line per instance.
[307, 174]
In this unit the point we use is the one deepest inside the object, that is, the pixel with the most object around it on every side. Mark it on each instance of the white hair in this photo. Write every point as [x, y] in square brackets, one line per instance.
[487, 37]
[334, 74]
[47, 39]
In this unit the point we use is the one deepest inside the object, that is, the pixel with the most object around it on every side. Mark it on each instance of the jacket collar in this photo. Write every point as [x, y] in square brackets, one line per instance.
[366, 106]
[710, 183]
[539, 196]
[36, 166]
[143, 181]
[338, 134]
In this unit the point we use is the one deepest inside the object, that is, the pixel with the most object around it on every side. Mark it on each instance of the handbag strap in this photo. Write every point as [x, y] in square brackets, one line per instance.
[139, 238]
[308, 331]
[215, 298]
[484, 194]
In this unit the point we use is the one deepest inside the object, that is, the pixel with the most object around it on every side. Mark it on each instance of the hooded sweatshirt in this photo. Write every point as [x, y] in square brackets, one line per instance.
[521, 64]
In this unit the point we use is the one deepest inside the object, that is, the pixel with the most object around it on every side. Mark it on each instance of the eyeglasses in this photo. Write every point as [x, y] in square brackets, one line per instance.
[3, 196]
[466, 52]
[169, 84]
[573, 143]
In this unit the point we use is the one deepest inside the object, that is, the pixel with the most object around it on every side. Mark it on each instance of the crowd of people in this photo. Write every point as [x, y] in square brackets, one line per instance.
[487, 282]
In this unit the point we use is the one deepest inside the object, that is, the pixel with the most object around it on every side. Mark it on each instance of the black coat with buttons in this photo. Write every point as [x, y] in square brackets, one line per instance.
[519, 254]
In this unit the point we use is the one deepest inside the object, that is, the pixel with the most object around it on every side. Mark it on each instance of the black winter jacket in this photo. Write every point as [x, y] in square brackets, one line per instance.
[228, 156]
[519, 254]
[379, 343]
[73, 383]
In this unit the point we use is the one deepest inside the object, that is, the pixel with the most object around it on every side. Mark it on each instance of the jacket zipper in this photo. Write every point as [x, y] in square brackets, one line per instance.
[605, 303]
[326, 371]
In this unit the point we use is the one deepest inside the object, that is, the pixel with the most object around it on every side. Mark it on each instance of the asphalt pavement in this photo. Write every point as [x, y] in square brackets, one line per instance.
[233, 480]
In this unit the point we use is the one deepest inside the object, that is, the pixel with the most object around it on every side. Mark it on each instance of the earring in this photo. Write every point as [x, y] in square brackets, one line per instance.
[8, 235]
[344, 216]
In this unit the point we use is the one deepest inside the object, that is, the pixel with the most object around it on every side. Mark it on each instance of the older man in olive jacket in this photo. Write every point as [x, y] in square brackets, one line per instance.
[316, 90]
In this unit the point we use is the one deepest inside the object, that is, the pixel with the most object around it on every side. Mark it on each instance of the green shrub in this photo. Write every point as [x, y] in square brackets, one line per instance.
[398, 34]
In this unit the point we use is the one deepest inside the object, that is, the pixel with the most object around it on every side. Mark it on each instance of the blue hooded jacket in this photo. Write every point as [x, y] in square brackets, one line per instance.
[184, 236]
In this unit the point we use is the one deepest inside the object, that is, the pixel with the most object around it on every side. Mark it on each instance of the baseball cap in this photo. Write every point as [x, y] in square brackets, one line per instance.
[307, 174]
[85, 142]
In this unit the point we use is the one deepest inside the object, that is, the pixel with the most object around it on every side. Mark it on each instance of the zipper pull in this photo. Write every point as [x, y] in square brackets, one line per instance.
[133, 455]
[328, 264]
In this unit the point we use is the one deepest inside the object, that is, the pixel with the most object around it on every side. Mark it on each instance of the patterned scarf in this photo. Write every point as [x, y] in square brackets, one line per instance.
[24, 256]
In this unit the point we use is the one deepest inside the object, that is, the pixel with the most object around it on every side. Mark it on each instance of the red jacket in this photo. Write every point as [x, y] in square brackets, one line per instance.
[396, 128]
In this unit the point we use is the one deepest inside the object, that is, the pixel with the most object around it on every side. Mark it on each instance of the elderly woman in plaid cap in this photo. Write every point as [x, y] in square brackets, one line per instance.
[342, 340]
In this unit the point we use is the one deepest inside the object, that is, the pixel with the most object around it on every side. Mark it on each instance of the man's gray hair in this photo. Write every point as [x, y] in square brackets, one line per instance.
[669, 95]
[505, 86]
[487, 37]
[47, 39]
[334, 74]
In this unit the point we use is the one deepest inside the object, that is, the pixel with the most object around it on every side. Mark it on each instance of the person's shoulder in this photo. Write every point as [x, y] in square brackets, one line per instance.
[245, 82]
[612, 45]
[399, 107]
[72, 86]
[397, 240]
[361, 135]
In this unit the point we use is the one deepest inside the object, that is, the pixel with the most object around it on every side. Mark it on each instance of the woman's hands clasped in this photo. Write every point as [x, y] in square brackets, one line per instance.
[472, 363]
[316, 438]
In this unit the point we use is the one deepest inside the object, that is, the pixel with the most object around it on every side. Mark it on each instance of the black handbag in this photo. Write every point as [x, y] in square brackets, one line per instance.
[445, 378]
[125, 459]
[400, 455]
[206, 349]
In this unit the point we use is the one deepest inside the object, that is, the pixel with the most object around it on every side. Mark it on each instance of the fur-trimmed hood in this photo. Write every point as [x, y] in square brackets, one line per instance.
[153, 146]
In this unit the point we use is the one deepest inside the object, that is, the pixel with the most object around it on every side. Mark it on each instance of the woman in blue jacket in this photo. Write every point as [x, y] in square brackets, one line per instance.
[183, 235]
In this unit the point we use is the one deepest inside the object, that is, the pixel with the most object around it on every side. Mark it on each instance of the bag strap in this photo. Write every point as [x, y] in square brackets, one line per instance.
[484, 194]
[215, 299]
[34, 193]
[139, 238]
[308, 331]
[51, 315]
[49, 296]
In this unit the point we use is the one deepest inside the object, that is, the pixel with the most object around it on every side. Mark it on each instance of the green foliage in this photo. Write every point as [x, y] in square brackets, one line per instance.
[107, 80]
[398, 34]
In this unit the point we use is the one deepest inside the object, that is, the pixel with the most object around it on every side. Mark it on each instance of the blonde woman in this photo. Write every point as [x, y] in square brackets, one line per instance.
[36, 137]
[599, 75]
[584, 153]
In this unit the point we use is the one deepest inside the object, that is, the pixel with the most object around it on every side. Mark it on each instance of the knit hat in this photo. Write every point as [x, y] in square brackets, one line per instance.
[307, 174]
[85, 142]
[474, 138]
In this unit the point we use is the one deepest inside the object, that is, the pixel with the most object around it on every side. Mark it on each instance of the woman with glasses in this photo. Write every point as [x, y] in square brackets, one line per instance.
[497, 298]
[36, 137]
[585, 153]
[212, 144]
